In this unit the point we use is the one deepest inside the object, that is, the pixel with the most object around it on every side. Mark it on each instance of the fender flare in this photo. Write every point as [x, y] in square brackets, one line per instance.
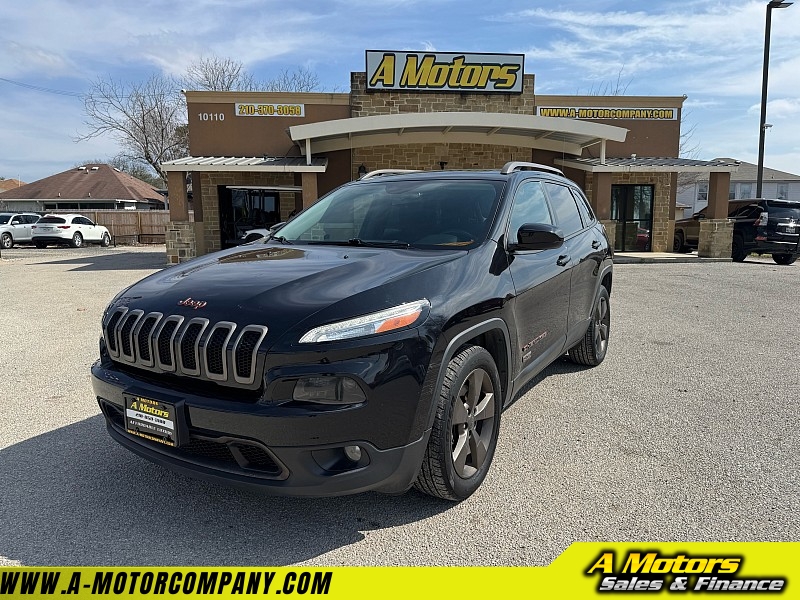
[457, 342]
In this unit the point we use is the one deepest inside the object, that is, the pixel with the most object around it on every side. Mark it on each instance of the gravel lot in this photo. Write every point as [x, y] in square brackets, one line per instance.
[688, 431]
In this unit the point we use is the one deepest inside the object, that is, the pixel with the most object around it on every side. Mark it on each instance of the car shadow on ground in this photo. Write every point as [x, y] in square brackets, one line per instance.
[117, 261]
[74, 497]
[561, 366]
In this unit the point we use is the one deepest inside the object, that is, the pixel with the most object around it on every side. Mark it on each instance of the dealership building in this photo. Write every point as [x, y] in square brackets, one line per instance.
[258, 157]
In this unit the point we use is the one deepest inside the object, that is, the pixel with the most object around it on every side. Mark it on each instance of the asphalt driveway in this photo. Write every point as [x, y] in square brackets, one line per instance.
[688, 431]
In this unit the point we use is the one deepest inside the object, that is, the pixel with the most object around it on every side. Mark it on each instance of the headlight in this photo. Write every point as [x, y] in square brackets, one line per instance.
[379, 322]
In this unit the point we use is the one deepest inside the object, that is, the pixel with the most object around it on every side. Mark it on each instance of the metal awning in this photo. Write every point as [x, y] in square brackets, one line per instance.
[648, 165]
[264, 164]
[568, 136]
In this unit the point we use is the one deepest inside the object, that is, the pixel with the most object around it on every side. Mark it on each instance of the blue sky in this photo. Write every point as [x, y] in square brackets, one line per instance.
[710, 51]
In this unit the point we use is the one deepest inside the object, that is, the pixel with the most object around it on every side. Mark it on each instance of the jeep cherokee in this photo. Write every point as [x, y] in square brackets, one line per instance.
[370, 344]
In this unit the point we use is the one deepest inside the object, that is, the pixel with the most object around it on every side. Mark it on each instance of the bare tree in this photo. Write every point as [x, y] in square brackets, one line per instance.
[297, 80]
[143, 117]
[218, 74]
[616, 87]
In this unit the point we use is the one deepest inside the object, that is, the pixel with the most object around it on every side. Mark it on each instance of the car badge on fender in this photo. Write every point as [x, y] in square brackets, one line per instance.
[195, 304]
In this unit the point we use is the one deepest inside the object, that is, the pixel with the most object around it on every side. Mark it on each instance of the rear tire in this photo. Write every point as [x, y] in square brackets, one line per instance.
[781, 259]
[465, 429]
[105, 242]
[593, 347]
[6, 241]
[738, 253]
[677, 243]
[77, 240]
[40, 245]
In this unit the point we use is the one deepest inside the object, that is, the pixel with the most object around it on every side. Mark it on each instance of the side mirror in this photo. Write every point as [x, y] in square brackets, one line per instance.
[538, 236]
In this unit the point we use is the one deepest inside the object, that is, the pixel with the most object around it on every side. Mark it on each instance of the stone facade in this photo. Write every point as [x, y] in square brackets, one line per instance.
[716, 237]
[363, 104]
[181, 243]
[209, 197]
[428, 156]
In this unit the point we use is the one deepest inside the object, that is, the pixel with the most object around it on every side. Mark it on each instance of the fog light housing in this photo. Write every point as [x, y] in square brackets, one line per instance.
[353, 453]
[328, 390]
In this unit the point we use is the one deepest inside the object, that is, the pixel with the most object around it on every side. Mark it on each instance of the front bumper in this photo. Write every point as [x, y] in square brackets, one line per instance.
[287, 449]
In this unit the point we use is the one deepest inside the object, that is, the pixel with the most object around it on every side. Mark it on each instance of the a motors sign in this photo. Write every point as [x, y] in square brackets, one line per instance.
[444, 72]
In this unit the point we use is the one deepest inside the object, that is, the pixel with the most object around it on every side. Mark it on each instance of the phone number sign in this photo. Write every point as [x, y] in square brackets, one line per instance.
[270, 110]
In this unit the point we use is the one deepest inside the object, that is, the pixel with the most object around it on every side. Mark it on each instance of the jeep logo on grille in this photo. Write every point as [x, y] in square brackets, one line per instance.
[195, 304]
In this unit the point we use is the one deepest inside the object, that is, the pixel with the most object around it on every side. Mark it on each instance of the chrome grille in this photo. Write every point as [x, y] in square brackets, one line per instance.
[221, 352]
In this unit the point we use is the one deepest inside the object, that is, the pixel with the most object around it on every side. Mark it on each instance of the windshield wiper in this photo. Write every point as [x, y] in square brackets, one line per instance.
[360, 242]
[281, 239]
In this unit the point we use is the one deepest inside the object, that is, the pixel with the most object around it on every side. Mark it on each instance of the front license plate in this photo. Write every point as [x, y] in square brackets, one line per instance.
[150, 419]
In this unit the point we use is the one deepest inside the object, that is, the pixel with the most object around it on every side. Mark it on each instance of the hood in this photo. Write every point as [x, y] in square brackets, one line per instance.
[276, 285]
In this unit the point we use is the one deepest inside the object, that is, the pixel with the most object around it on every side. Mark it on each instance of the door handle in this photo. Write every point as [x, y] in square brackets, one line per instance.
[563, 260]
[595, 244]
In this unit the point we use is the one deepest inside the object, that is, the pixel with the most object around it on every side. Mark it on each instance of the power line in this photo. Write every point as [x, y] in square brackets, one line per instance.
[39, 88]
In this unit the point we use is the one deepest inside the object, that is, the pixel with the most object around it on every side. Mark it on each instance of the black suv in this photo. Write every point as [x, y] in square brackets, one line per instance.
[759, 226]
[371, 344]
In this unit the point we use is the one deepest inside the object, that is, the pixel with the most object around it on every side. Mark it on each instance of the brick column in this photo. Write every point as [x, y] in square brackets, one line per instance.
[716, 237]
[601, 195]
[310, 193]
[178, 202]
[180, 241]
[718, 189]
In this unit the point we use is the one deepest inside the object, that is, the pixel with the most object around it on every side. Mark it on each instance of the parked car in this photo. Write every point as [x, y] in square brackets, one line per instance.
[15, 228]
[760, 226]
[251, 235]
[75, 230]
[371, 345]
[767, 227]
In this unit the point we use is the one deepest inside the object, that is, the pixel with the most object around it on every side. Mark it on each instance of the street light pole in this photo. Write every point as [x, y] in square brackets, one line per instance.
[765, 73]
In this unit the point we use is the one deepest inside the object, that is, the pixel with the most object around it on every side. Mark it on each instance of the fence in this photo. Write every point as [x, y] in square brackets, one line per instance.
[127, 226]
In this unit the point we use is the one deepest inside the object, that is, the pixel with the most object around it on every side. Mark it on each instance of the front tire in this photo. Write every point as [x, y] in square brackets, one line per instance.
[77, 240]
[105, 242]
[6, 241]
[464, 435]
[781, 259]
[593, 347]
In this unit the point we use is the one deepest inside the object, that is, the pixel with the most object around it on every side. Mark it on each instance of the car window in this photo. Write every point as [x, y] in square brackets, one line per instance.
[427, 213]
[52, 220]
[587, 216]
[4, 219]
[530, 206]
[33, 218]
[16, 220]
[567, 216]
[784, 211]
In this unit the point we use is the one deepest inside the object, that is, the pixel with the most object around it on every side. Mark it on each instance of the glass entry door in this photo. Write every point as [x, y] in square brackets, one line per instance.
[632, 209]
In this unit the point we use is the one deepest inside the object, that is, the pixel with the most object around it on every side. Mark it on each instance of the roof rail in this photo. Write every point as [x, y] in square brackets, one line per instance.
[514, 165]
[379, 172]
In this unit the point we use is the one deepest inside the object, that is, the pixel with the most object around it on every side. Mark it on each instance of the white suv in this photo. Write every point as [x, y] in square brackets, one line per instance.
[15, 228]
[75, 230]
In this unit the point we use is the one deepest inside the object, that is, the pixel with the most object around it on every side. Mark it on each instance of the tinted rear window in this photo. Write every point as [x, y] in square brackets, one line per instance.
[51, 220]
[784, 211]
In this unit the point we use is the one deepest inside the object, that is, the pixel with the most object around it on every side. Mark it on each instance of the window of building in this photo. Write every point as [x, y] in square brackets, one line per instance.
[702, 194]
[745, 190]
[732, 192]
[783, 191]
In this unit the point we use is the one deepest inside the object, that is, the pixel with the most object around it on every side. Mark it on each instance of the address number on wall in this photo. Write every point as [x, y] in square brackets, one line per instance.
[270, 110]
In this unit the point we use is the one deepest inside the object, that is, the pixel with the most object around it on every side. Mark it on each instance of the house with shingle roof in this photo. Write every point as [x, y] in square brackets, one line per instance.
[10, 184]
[776, 184]
[88, 187]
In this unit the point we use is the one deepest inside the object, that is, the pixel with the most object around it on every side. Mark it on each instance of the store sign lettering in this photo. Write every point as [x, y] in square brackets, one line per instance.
[586, 112]
[244, 109]
[444, 72]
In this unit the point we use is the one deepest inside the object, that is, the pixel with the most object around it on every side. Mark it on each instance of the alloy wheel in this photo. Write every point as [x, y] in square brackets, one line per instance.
[473, 423]
[602, 321]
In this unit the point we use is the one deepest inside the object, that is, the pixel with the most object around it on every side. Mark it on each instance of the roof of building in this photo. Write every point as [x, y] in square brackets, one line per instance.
[749, 172]
[648, 164]
[10, 184]
[246, 163]
[89, 182]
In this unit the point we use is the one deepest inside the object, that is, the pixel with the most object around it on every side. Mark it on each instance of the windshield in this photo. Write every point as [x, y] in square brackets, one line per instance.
[431, 214]
[4, 219]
